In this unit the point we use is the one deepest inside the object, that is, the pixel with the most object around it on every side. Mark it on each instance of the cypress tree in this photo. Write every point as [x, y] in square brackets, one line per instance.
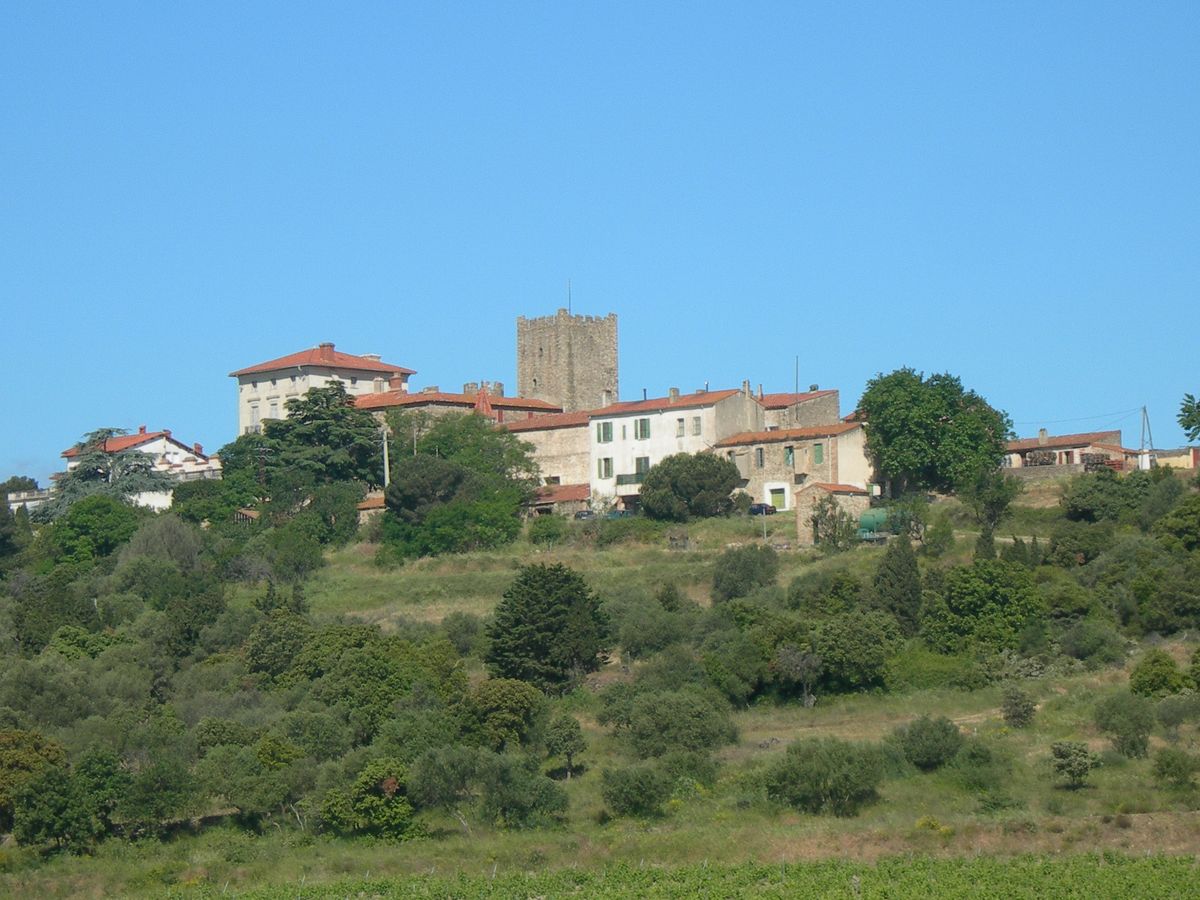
[898, 584]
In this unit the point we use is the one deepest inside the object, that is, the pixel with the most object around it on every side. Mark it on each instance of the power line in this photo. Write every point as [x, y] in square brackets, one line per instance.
[1122, 414]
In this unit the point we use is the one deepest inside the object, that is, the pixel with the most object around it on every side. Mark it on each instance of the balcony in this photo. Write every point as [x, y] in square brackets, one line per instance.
[635, 478]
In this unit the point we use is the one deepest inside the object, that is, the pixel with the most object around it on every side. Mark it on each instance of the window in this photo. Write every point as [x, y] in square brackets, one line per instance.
[274, 409]
[641, 465]
[604, 467]
[759, 457]
[695, 425]
[604, 432]
[679, 427]
[818, 454]
[789, 456]
[641, 429]
[353, 381]
[254, 414]
[622, 432]
[272, 382]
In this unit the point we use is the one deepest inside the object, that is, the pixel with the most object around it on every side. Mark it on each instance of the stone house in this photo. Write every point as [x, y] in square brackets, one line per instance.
[265, 388]
[1067, 453]
[627, 438]
[560, 446]
[486, 398]
[850, 498]
[815, 407]
[774, 463]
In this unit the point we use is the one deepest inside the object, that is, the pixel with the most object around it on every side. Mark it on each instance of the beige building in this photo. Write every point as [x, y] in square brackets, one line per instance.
[1069, 452]
[626, 439]
[264, 389]
[560, 446]
[815, 407]
[774, 463]
[487, 399]
[1181, 458]
[851, 499]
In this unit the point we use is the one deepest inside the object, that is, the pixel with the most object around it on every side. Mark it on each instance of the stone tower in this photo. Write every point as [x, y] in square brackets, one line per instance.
[568, 360]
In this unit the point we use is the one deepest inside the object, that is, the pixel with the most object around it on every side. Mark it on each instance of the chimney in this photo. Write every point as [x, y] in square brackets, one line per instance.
[396, 383]
[760, 392]
[197, 449]
[430, 389]
[814, 388]
[374, 357]
[1043, 437]
[673, 394]
[167, 432]
[746, 387]
[325, 351]
[141, 429]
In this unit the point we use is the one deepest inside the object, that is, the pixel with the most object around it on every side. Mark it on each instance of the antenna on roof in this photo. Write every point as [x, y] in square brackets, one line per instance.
[568, 296]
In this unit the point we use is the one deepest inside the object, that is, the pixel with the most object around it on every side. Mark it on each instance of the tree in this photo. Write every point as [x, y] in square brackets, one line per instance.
[638, 790]
[898, 584]
[505, 714]
[1073, 762]
[376, 803]
[685, 485]
[854, 648]
[989, 493]
[564, 738]
[24, 755]
[1128, 720]
[987, 605]
[53, 810]
[793, 665]
[1017, 706]
[834, 529]
[826, 775]
[97, 470]
[929, 743]
[327, 438]
[93, 528]
[741, 570]
[1157, 675]
[930, 432]
[1180, 528]
[687, 719]
[1189, 417]
[548, 629]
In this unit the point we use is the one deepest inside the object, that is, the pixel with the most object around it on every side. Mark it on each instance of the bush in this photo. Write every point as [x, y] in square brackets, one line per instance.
[547, 530]
[981, 767]
[826, 775]
[988, 604]
[916, 667]
[638, 790]
[662, 721]
[1176, 768]
[1018, 707]
[1073, 762]
[1127, 719]
[1093, 643]
[1157, 675]
[741, 570]
[929, 743]
[854, 649]
[1173, 711]
[684, 485]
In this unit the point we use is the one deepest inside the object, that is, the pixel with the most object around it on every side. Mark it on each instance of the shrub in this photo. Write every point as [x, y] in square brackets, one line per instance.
[1127, 719]
[980, 767]
[987, 604]
[826, 775]
[1073, 762]
[1173, 711]
[685, 485]
[1157, 675]
[740, 570]
[638, 790]
[1094, 643]
[898, 584]
[916, 667]
[505, 713]
[1018, 707]
[929, 743]
[854, 649]
[1176, 768]
[662, 721]
[547, 530]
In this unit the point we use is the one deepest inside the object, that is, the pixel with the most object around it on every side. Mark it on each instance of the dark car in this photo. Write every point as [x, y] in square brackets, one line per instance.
[585, 514]
[619, 514]
[762, 509]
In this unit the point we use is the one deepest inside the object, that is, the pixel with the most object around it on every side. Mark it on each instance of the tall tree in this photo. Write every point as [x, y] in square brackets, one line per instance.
[96, 470]
[930, 432]
[685, 485]
[989, 494]
[898, 584]
[327, 438]
[1189, 417]
[548, 629]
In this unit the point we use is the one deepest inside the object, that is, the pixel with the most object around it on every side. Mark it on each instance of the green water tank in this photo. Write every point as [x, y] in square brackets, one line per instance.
[873, 520]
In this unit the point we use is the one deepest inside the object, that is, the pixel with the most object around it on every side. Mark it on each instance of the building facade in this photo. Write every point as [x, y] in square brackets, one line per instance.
[775, 463]
[814, 407]
[560, 446]
[264, 389]
[568, 361]
[488, 400]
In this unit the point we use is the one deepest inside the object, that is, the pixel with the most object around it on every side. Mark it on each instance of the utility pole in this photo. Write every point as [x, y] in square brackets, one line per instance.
[387, 469]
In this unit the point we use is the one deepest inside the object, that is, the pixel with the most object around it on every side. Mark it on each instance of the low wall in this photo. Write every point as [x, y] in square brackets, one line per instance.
[1044, 473]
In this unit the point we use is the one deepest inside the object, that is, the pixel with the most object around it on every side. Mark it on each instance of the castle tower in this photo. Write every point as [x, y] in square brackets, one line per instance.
[568, 360]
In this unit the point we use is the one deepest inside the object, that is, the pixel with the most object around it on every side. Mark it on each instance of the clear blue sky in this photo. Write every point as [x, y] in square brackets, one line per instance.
[1006, 191]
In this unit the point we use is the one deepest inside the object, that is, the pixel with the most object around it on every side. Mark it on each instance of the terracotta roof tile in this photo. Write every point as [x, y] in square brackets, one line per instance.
[466, 401]
[376, 502]
[547, 422]
[783, 401]
[1058, 441]
[835, 488]
[787, 434]
[324, 356]
[656, 404]
[564, 493]
[123, 442]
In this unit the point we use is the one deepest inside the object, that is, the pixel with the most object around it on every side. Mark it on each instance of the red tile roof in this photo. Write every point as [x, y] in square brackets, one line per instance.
[1057, 442]
[656, 404]
[787, 434]
[783, 401]
[375, 502]
[324, 356]
[564, 493]
[835, 488]
[547, 422]
[467, 401]
[122, 442]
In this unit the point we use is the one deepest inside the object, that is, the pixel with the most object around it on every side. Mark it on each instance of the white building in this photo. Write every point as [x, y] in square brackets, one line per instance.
[168, 456]
[264, 389]
[626, 439]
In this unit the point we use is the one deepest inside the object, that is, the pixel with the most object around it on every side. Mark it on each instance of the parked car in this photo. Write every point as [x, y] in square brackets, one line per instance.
[762, 509]
[585, 514]
[619, 514]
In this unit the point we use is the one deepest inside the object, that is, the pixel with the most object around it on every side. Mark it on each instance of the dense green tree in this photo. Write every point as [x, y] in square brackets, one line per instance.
[1180, 528]
[687, 719]
[898, 584]
[1073, 762]
[854, 648]
[92, 528]
[491, 453]
[162, 791]
[930, 432]
[376, 803]
[1128, 720]
[103, 780]
[985, 605]
[448, 778]
[826, 775]
[18, 483]
[548, 629]
[686, 485]
[989, 494]
[327, 438]
[741, 570]
[52, 810]
[96, 471]
[637, 790]
[564, 738]
[928, 743]
[505, 713]
[24, 755]
[1189, 417]
[1157, 675]
[833, 529]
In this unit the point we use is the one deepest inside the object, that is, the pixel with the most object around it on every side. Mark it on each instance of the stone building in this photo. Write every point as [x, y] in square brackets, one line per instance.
[486, 398]
[560, 446]
[850, 499]
[814, 407]
[568, 361]
[774, 463]
[264, 389]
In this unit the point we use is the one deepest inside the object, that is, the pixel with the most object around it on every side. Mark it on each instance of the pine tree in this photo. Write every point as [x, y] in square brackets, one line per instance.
[898, 583]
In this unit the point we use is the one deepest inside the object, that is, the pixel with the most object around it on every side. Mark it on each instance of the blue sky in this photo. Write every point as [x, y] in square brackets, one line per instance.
[1006, 191]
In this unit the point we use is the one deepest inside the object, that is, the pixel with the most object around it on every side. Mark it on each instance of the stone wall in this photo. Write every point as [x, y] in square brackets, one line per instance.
[822, 410]
[806, 504]
[570, 361]
[1044, 473]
